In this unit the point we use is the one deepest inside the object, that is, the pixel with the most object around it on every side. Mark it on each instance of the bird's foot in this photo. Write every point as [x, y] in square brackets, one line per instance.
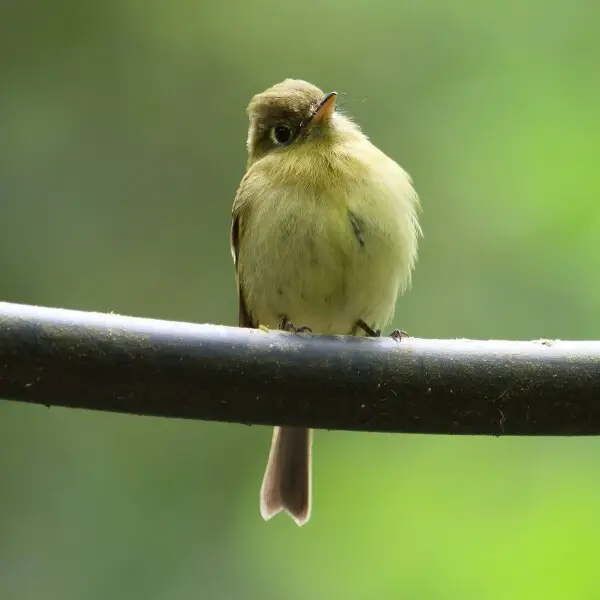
[264, 328]
[286, 325]
[397, 334]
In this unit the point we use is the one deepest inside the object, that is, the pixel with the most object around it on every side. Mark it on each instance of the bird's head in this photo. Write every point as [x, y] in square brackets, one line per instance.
[293, 115]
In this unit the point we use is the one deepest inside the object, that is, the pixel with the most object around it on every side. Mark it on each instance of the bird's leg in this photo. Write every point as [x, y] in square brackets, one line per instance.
[396, 335]
[368, 330]
[286, 325]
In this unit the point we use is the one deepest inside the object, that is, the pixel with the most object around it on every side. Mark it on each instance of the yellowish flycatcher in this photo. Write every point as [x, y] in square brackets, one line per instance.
[324, 236]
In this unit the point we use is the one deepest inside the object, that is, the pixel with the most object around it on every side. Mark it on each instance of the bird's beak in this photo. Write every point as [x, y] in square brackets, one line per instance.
[325, 109]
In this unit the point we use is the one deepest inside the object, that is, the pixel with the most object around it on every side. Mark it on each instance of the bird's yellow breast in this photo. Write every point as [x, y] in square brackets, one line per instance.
[327, 240]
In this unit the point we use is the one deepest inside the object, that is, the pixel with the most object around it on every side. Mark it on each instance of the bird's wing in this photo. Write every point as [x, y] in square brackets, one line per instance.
[238, 214]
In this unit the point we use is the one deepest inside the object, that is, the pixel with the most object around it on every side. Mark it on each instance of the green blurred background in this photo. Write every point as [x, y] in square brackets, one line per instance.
[122, 141]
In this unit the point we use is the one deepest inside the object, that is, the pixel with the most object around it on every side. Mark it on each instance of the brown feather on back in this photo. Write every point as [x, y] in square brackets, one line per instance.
[244, 318]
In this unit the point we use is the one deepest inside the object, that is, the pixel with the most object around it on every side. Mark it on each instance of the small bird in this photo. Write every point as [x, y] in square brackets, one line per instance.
[324, 237]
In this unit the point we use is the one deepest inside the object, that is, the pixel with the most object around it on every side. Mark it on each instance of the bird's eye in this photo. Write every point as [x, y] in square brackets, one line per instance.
[281, 135]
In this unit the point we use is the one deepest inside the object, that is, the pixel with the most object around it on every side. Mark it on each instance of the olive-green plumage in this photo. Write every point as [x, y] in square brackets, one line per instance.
[324, 235]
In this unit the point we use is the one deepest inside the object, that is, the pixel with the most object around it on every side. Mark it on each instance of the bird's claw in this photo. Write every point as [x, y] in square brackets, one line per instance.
[286, 325]
[398, 335]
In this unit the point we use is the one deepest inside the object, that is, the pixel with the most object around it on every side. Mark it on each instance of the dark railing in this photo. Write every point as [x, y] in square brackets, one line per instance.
[124, 364]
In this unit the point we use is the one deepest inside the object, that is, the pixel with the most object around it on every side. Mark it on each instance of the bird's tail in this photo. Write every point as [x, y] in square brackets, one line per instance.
[287, 482]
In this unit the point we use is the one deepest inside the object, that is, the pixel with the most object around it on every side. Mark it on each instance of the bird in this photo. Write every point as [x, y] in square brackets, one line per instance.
[324, 238]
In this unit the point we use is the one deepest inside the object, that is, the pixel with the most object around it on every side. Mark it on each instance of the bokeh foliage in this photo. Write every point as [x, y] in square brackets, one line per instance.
[122, 132]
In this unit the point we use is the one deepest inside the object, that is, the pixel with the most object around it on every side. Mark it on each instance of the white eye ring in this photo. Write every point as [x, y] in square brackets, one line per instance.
[281, 135]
